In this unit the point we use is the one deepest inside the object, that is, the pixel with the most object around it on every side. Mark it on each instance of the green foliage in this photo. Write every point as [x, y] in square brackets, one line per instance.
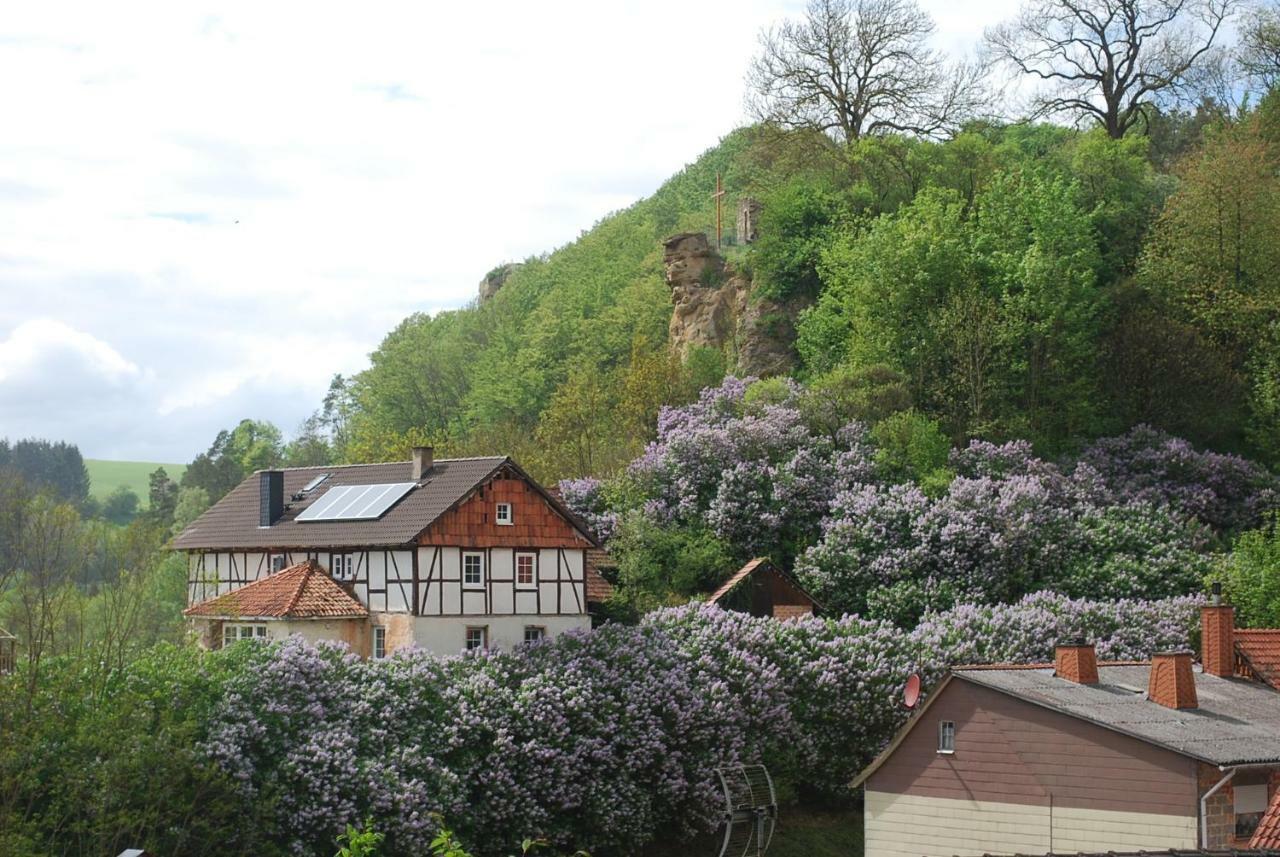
[795, 224]
[94, 759]
[1250, 576]
[992, 313]
[659, 564]
[912, 448]
[52, 465]
[363, 841]
[121, 506]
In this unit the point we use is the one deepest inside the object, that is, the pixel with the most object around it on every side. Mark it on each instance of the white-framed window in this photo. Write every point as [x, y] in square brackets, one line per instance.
[343, 566]
[477, 638]
[534, 633]
[526, 569]
[1250, 804]
[235, 633]
[946, 736]
[379, 641]
[473, 569]
[503, 515]
[277, 562]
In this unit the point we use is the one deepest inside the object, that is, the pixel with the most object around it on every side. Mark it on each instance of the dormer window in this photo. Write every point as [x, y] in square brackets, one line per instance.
[503, 514]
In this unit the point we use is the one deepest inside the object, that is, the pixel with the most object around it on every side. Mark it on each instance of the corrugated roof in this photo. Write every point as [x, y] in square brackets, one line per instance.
[1261, 648]
[233, 521]
[1237, 721]
[302, 591]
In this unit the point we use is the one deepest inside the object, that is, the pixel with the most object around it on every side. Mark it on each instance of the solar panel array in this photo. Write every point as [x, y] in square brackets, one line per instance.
[356, 502]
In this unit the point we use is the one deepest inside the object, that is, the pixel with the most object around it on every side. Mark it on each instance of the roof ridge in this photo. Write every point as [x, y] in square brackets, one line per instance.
[307, 566]
[380, 463]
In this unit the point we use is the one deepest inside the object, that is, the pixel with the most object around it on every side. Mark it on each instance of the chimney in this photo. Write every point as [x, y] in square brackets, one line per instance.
[270, 496]
[1075, 661]
[1172, 683]
[1218, 636]
[423, 460]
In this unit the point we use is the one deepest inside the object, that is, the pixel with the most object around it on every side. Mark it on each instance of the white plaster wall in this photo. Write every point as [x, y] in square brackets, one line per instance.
[914, 826]
[446, 635]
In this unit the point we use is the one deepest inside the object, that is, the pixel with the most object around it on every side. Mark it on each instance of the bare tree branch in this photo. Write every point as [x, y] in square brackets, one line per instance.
[1111, 61]
[856, 67]
[1259, 52]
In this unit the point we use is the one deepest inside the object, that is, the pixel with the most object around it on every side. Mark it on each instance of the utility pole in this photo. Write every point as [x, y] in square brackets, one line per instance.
[719, 197]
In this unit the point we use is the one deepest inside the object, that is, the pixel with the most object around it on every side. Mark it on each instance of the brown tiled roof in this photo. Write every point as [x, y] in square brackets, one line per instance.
[1268, 833]
[302, 591]
[233, 520]
[598, 589]
[600, 558]
[1261, 649]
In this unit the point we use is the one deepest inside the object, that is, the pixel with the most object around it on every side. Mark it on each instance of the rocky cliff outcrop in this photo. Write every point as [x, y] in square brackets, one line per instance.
[713, 308]
[494, 280]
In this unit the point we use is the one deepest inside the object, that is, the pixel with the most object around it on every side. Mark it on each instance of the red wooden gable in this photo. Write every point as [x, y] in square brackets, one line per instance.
[535, 522]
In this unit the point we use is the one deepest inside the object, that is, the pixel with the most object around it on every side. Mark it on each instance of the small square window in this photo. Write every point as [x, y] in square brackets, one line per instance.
[473, 569]
[534, 633]
[277, 562]
[343, 567]
[946, 736]
[379, 641]
[503, 514]
[477, 638]
[526, 569]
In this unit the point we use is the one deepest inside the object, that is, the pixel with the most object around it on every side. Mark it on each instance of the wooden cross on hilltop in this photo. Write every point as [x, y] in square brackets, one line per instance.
[719, 198]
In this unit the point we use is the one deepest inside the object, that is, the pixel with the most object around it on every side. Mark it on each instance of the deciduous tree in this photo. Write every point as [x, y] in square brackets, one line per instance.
[1110, 61]
[857, 67]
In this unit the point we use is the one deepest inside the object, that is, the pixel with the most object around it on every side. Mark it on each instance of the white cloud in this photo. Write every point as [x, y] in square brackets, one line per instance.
[245, 197]
[36, 350]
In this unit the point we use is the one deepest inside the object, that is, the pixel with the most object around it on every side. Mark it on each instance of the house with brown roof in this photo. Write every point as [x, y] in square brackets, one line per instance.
[1080, 755]
[447, 555]
[761, 588]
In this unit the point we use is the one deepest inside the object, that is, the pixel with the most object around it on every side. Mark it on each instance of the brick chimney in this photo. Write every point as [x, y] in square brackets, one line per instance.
[1075, 661]
[1172, 683]
[1218, 636]
[423, 460]
[270, 496]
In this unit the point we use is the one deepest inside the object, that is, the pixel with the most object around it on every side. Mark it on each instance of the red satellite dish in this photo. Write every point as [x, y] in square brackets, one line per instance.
[911, 693]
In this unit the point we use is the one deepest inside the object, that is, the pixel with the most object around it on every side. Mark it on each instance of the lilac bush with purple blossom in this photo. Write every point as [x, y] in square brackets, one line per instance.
[585, 498]
[607, 739]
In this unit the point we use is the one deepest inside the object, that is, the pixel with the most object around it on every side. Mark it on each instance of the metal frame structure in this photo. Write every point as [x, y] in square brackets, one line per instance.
[751, 810]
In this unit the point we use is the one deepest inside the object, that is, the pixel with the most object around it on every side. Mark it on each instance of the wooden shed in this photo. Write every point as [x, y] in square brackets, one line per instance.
[762, 589]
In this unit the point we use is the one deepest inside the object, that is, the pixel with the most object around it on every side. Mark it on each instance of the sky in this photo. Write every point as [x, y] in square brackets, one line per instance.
[207, 210]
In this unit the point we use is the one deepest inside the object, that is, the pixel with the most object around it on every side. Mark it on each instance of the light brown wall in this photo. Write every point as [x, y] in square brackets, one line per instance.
[1015, 752]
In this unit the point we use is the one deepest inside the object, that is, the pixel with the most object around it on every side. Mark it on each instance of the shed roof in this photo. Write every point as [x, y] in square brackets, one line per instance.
[302, 591]
[752, 567]
[233, 521]
[5, 635]
[1236, 721]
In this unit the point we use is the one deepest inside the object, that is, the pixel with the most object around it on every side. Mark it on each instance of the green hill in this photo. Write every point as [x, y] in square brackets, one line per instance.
[107, 476]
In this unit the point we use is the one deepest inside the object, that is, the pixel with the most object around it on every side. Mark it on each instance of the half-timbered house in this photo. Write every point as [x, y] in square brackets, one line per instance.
[453, 554]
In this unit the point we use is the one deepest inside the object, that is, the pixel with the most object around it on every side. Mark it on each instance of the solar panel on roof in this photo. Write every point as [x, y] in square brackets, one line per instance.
[356, 502]
[315, 483]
